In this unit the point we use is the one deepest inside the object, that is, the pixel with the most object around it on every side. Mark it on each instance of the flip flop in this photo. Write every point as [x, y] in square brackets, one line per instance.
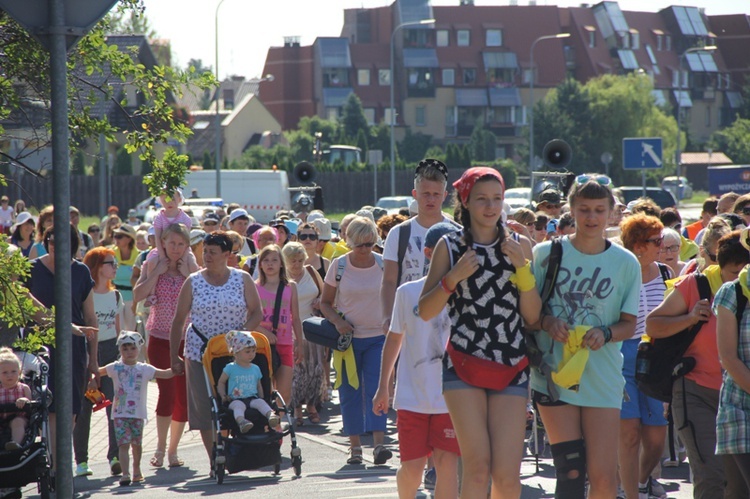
[175, 461]
[158, 460]
[137, 478]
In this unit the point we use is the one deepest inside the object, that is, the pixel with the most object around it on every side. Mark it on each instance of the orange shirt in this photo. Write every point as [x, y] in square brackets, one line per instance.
[707, 370]
[693, 229]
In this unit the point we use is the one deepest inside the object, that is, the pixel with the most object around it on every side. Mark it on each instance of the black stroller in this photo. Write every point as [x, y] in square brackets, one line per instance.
[234, 451]
[33, 461]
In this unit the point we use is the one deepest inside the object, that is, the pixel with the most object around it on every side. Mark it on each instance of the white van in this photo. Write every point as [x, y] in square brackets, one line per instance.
[261, 192]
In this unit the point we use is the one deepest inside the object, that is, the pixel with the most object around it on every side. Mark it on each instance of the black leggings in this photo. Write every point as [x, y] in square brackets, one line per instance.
[737, 470]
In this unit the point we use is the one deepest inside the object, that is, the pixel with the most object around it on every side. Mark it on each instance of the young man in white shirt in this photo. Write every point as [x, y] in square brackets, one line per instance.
[424, 425]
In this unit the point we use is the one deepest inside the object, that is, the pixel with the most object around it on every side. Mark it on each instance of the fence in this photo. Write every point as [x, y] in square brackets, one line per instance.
[342, 191]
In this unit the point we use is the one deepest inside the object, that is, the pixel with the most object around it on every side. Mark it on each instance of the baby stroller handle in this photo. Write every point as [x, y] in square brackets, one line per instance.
[32, 404]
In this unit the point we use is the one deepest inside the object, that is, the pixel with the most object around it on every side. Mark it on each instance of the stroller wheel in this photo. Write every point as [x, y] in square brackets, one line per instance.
[44, 486]
[297, 464]
[219, 474]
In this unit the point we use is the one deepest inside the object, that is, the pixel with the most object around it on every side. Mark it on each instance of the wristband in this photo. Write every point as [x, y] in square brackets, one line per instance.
[525, 280]
[446, 288]
[607, 333]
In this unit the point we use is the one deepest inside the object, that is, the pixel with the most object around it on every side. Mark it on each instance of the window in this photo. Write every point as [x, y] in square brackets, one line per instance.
[387, 116]
[449, 77]
[420, 116]
[442, 38]
[592, 39]
[450, 121]
[708, 116]
[635, 40]
[470, 76]
[494, 38]
[675, 79]
[363, 77]
[370, 115]
[625, 37]
[659, 41]
[332, 113]
[667, 43]
[685, 81]
[420, 83]
[463, 38]
[527, 74]
[335, 77]
[502, 115]
[384, 76]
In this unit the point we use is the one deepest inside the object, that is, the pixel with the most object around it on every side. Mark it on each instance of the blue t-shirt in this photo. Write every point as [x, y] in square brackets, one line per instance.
[243, 381]
[590, 290]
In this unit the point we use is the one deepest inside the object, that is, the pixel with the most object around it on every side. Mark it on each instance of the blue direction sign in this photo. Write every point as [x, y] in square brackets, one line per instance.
[641, 153]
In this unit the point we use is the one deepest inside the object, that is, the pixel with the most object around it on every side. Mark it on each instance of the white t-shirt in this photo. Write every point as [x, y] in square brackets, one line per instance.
[414, 265]
[131, 389]
[6, 216]
[107, 309]
[419, 386]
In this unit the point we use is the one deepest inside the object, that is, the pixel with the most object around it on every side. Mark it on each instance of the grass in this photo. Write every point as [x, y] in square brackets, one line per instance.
[697, 198]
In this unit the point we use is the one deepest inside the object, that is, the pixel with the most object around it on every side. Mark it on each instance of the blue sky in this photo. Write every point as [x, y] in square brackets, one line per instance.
[247, 28]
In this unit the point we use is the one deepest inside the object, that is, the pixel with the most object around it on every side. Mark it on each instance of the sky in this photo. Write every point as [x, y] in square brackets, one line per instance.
[247, 28]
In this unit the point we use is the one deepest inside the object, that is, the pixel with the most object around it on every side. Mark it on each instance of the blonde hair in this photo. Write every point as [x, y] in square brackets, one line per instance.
[7, 356]
[361, 229]
[292, 249]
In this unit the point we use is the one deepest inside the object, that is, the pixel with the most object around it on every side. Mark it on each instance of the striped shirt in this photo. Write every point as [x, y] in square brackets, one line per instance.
[652, 294]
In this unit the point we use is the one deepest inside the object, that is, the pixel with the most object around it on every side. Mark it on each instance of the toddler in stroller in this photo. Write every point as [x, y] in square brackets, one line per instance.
[12, 391]
[243, 377]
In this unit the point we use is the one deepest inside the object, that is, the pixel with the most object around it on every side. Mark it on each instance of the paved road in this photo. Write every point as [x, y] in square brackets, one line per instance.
[325, 473]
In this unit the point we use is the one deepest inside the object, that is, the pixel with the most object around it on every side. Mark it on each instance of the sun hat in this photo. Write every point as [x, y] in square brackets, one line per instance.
[126, 230]
[21, 219]
[323, 225]
[130, 337]
[239, 340]
[196, 236]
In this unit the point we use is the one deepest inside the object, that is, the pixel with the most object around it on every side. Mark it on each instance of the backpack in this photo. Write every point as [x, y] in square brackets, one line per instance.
[662, 361]
[404, 233]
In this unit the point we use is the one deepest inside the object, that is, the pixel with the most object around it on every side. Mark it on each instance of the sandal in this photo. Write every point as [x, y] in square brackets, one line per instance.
[125, 480]
[137, 478]
[355, 455]
[313, 417]
[381, 454]
[175, 461]
[158, 460]
[300, 421]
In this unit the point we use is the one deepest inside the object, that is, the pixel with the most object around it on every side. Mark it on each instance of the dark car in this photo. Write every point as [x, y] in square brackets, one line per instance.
[661, 197]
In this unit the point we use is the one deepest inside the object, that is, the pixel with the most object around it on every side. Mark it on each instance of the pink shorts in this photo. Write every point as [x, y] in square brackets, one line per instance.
[419, 434]
[286, 354]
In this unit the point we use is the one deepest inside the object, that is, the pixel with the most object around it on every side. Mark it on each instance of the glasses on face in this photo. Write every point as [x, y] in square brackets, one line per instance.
[94, 230]
[671, 249]
[656, 241]
[112, 262]
[211, 222]
[540, 226]
[599, 179]
[119, 236]
[710, 256]
[552, 206]
[364, 245]
[305, 237]
[531, 224]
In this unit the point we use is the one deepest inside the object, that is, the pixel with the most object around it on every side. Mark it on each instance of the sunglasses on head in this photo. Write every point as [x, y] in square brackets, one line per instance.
[218, 240]
[599, 179]
[305, 237]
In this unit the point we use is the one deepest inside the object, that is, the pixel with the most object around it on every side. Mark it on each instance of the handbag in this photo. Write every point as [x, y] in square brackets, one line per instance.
[482, 372]
[321, 331]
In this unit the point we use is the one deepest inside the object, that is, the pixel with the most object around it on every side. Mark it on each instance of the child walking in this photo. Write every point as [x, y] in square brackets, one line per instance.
[281, 323]
[243, 377]
[12, 391]
[129, 411]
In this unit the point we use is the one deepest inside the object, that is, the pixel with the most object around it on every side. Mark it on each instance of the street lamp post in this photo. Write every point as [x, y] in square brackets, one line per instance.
[531, 93]
[393, 111]
[677, 152]
[217, 144]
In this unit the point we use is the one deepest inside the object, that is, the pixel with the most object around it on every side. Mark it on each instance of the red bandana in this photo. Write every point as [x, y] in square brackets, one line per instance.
[470, 177]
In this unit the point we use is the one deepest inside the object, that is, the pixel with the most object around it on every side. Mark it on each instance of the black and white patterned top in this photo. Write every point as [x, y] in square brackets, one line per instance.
[485, 319]
[215, 310]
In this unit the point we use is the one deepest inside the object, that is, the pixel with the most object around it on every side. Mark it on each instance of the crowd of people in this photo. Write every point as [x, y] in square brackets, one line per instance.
[468, 324]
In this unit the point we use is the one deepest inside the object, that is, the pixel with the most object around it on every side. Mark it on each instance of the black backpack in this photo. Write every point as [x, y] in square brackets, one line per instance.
[662, 361]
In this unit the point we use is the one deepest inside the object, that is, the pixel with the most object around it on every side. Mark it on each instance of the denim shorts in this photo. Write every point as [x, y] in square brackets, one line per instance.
[451, 381]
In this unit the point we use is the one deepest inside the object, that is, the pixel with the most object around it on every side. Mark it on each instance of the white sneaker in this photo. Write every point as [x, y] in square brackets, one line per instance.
[656, 490]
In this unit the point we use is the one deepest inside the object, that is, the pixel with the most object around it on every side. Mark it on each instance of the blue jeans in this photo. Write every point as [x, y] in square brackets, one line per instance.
[356, 405]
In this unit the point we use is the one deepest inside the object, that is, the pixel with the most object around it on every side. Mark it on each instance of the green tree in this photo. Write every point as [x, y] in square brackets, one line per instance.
[452, 156]
[301, 144]
[78, 166]
[482, 144]
[380, 138]
[123, 163]
[414, 146]
[734, 141]
[353, 118]
[362, 143]
[315, 124]
[208, 161]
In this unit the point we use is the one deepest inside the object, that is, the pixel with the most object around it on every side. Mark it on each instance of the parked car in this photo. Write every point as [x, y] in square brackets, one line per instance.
[678, 186]
[394, 203]
[661, 197]
[518, 197]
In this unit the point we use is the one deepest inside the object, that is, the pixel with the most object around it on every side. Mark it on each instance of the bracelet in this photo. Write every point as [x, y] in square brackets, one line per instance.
[444, 285]
[525, 280]
[607, 333]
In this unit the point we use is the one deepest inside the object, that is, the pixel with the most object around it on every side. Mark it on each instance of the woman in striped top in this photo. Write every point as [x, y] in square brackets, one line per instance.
[642, 421]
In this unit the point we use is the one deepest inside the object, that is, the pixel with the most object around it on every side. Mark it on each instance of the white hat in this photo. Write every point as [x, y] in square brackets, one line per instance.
[196, 236]
[21, 219]
[130, 337]
[315, 215]
[239, 212]
[324, 228]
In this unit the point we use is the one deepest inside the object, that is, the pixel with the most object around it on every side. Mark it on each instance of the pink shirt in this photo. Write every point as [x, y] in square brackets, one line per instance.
[162, 221]
[358, 297]
[162, 313]
[284, 332]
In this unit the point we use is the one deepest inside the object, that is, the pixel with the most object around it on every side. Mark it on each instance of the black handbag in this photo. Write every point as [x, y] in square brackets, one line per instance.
[321, 331]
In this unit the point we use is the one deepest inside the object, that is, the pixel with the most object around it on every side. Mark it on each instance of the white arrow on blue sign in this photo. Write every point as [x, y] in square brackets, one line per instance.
[641, 153]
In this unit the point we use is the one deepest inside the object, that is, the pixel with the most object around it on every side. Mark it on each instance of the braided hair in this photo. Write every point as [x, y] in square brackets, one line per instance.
[461, 213]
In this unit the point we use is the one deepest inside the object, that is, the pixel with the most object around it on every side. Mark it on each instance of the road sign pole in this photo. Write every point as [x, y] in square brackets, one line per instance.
[643, 179]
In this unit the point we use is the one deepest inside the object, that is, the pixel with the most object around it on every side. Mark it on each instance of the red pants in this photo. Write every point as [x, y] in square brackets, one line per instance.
[172, 392]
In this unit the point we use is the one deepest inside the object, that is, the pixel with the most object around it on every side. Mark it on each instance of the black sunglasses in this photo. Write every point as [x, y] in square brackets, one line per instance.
[305, 237]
